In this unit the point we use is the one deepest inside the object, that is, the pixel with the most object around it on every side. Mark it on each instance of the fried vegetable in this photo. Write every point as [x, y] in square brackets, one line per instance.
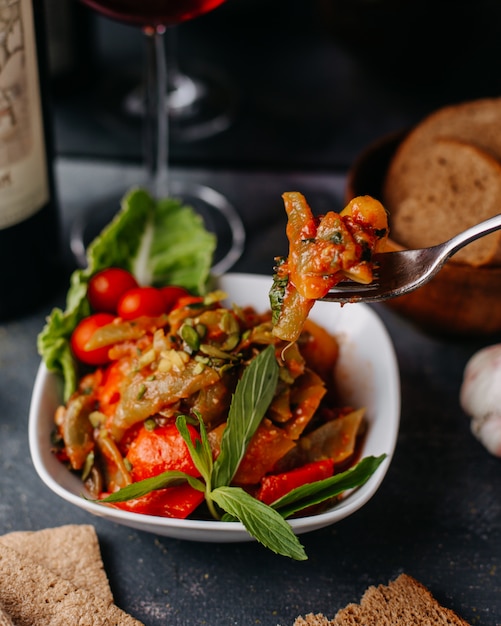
[76, 429]
[334, 440]
[204, 409]
[144, 396]
[323, 251]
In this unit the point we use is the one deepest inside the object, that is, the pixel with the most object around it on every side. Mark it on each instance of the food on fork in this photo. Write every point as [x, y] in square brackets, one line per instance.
[323, 251]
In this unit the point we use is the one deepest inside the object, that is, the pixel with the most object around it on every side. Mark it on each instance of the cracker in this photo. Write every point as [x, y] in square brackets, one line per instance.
[33, 594]
[404, 601]
[71, 551]
[5, 619]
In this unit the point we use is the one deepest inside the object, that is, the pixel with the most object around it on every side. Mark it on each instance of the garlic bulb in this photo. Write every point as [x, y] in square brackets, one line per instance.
[480, 396]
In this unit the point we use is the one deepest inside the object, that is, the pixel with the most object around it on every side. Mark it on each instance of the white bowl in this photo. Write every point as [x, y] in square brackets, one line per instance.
[369, 377]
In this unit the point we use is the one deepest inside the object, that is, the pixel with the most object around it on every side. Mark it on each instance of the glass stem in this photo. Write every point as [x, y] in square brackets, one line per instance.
[171, 54]
[156, 117]
[183, 93]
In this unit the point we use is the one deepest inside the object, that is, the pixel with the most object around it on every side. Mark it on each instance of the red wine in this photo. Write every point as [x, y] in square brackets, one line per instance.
[152, 12]
[29, 225]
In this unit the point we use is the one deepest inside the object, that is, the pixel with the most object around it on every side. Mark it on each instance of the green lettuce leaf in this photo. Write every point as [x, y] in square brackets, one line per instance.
[161, 242]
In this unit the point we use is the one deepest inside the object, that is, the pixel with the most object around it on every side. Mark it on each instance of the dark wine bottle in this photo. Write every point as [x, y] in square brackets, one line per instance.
[30, 249]
[71, 46]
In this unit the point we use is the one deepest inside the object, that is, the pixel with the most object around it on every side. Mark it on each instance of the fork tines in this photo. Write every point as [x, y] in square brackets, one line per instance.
[346, 286]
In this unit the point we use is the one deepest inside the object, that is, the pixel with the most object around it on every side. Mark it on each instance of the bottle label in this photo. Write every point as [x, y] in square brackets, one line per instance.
[24, 184]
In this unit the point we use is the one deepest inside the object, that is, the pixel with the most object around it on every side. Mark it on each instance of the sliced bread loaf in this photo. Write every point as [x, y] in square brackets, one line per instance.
[439, 190]
[477, 122]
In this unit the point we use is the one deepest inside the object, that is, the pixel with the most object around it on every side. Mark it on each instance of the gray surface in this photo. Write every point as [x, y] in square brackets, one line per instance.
[437, 515]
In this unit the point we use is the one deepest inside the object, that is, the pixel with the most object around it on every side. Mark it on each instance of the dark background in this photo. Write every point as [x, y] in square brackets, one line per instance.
[312, 82]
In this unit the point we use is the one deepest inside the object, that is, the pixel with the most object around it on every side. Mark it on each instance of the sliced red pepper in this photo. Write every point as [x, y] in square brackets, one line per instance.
[267, 446]
[160, 450]
[186, 301]
[108, 392]
[274, 486]
[177, 502]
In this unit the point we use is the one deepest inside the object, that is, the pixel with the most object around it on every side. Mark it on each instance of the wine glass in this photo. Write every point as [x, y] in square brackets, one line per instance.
[155, 17]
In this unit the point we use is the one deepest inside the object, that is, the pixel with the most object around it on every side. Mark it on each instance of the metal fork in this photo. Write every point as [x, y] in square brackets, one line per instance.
[398, 273]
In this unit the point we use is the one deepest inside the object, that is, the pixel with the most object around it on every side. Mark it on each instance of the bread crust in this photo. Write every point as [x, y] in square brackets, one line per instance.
[477, 122]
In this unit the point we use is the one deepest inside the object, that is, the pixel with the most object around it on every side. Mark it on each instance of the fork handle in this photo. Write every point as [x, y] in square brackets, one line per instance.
[471, 234]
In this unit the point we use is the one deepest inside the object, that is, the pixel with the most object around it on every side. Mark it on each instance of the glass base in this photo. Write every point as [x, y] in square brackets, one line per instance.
[198, 106]
[219, 215]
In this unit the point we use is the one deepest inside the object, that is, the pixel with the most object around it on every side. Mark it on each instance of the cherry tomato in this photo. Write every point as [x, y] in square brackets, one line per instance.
[81, 335]
[171, 295]
[141, 301]
[107, 287]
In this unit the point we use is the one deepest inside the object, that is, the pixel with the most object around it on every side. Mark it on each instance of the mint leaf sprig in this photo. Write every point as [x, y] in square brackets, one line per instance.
[310, 494]
[261, 521]
[266, 523]
[252, 397]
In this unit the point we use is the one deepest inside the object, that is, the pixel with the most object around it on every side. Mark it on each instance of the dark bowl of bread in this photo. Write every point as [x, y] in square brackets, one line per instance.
[436, 180]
